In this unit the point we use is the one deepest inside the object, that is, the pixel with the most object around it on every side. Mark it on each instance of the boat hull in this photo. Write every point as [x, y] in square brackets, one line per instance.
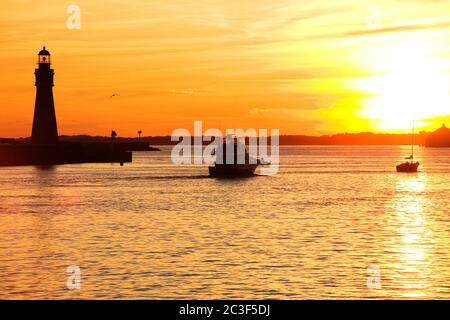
[232, 171]
[408, 167]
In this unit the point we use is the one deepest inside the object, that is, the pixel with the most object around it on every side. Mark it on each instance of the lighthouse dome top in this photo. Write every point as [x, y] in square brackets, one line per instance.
[44, 57]
[44, 52]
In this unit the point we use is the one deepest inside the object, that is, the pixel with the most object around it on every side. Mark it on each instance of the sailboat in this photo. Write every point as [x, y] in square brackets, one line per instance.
[409, 166]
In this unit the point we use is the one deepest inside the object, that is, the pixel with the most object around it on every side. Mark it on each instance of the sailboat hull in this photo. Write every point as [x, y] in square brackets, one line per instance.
[408, 167]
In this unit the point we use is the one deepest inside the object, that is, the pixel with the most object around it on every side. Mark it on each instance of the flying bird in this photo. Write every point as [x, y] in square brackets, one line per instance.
[113, 95]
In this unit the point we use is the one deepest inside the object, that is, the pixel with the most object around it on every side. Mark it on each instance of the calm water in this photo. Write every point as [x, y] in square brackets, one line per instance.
[154, 230]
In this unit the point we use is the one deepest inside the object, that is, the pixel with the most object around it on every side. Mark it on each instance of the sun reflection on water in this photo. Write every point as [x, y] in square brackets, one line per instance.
[413, 239]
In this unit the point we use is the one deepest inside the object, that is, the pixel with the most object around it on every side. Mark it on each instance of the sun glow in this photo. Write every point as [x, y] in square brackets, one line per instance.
[412, 86]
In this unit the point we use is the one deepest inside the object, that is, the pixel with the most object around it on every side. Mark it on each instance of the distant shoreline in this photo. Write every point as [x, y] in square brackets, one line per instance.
[362, 139]
[336, 139]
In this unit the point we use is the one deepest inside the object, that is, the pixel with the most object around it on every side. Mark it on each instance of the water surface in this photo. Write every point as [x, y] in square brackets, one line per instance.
[154, 230]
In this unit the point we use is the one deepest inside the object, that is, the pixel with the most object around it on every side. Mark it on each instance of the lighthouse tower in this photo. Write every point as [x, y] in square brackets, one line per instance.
[45, 131]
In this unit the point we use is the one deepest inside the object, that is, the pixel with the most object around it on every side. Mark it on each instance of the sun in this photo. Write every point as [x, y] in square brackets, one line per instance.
[411, 86]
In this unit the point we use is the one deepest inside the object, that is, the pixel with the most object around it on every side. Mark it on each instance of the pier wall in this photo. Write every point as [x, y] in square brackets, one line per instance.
[62, 153]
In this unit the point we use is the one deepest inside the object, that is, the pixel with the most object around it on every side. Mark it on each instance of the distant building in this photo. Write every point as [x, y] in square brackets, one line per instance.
[439, 138]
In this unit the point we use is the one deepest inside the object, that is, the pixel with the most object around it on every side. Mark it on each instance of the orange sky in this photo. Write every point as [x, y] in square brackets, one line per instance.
[303, 66]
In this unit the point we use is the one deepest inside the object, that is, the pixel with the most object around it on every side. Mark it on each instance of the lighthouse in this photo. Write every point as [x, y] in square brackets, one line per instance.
[45, 131]
[44, 148]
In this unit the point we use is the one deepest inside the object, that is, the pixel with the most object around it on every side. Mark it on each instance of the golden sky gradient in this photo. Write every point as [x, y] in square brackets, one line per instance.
[303, 66]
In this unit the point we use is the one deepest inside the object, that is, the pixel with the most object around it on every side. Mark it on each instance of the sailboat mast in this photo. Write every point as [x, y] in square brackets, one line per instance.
[412, 144]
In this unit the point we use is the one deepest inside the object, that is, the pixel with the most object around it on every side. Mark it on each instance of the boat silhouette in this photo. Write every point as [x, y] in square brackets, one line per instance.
[409, 166]
[239, 164]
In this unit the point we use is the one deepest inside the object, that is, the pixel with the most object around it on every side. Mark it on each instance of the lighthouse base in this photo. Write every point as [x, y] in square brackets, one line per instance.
[62, 153]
